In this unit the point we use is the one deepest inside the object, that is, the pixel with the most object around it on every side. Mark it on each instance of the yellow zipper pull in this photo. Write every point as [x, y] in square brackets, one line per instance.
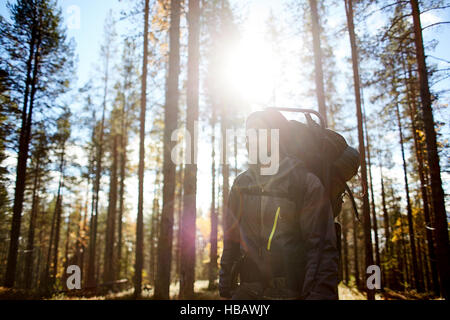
[273, 229]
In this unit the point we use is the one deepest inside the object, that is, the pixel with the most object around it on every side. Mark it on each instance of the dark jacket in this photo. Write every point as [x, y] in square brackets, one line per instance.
[283, 227]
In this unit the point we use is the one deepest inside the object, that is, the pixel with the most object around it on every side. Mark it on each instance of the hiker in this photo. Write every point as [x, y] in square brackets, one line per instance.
[279, 233]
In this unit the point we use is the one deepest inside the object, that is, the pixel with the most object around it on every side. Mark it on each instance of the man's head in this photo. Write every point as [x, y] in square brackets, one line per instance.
[274, 125]
[267, 119]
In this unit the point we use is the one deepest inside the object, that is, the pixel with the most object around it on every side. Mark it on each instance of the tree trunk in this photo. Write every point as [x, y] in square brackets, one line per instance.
[214, 218]
[420, 264]
[440, 216]
[32, 226]
[188, 230]
[123, 164]
[318, 72]
[140, 215]
[423, 185]
[81, 229]
[110, 263]
[154, 228]
[58, 212]
[355, 253]
[83, 247]
[45, 276]
[372, 198]
[406, 277]
[24, 143]
[38, 266]
[179, 195]
[425, 266]
[345, 246]
[66, 250]
[387, 234]
[90, 279]
[225, 166]
[170, 124]
[235, 144]
[412, 240]
[356, 79]
[92, 269]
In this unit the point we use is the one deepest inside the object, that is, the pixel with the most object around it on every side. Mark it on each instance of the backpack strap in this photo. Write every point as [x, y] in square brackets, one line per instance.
[257, 191]
[352, 200]
[350, 195]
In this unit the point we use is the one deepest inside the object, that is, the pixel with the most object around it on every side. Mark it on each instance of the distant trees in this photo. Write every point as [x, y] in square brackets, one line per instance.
[40, 64]
[107, 53]
[397, 85]
[127, 103]
[61, 140]
[437, 193]
[39, 174]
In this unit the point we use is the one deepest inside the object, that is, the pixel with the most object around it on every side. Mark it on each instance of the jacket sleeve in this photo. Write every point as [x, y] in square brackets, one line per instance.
[231, 242]
[317, 227]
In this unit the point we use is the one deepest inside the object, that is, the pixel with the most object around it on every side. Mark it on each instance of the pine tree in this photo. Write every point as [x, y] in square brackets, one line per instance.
[188, 226]
[356, 79]
[110, 261]
[36, 46]
[140, 215]
[39, 161]
[170, 121]
[107, 52]
[318, 65]
[440, 217]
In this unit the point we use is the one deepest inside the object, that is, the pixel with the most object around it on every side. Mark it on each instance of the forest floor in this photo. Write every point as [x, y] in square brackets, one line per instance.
[202, 293]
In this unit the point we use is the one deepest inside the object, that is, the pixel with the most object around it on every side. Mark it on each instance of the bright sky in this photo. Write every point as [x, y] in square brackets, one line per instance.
[251, 66]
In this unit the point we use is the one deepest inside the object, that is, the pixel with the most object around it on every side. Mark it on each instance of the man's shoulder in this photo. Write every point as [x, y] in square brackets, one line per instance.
[242, 179]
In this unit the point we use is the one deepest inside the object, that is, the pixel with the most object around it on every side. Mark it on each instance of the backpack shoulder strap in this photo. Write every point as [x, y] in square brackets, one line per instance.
[352, 200]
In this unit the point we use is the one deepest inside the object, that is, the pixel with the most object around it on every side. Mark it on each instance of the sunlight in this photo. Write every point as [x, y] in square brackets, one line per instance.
[250, 68]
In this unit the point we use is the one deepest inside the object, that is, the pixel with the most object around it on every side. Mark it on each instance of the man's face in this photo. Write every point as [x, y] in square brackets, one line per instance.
[263, 146]
[257, 125]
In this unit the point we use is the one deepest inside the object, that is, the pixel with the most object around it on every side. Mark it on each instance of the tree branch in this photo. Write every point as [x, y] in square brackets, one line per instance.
[435, 24]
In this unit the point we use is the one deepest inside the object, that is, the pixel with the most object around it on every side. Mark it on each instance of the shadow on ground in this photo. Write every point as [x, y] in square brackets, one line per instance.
[201, 293]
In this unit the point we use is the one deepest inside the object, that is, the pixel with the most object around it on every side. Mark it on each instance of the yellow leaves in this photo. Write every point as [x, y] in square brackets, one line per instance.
[152, 37]
[203, 232]
[206, 251]
[395, 238]
[397, 232]
[164, 47]
[160, 19]
[203, 227]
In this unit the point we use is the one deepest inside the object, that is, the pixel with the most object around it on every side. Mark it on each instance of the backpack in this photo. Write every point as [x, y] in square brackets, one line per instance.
[325, 153]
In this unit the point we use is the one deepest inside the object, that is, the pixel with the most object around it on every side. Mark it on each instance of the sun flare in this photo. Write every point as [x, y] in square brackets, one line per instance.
[250, 68]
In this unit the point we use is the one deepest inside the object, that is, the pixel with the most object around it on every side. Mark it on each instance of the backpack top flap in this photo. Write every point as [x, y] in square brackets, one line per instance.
[326, 154]
[328, 147]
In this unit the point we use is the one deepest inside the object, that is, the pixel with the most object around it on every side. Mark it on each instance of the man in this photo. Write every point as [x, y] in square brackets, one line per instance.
[279, 233]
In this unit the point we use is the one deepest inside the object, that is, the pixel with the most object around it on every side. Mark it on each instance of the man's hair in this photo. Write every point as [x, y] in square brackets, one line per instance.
[273, 119]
